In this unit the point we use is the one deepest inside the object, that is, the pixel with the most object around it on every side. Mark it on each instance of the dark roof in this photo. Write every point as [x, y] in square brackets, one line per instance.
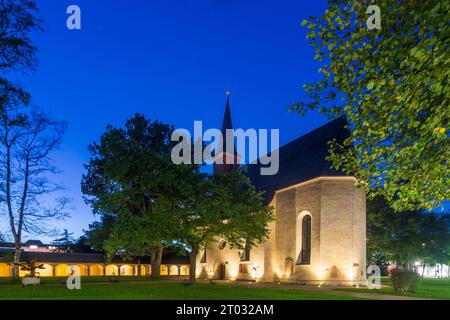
[24, 244]
[34, 243]
[7, 245]
[301, 159]
[58, 257]
[65, 257]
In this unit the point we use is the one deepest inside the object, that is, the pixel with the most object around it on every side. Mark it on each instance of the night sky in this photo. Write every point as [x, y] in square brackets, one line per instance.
[172, 61]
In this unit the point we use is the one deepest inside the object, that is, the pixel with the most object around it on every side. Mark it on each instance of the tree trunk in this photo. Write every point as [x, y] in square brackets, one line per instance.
[423, 270]
[193, 264]
[138, 272]
[156, 257]
[16, 260]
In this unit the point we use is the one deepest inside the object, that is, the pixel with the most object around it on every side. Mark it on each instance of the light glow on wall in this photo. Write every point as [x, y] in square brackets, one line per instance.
[350, 274]
[320, 272]
[254, 273]
[233, 272]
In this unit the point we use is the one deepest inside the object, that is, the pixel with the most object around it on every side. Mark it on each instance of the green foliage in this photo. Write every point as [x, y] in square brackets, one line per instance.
[223, 205]
[392, 85]
[129, 178]
[404, 280]
[396, 236]
[147, 202]
[99, 232]
[81, 245]
[435, 238]
[407, 237]
[379, 259]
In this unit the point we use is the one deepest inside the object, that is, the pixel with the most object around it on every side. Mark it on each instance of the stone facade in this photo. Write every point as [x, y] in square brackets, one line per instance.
[338, 238]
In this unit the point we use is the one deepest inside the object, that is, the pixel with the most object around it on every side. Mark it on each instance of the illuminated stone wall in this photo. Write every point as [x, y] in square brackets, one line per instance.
[338, 238]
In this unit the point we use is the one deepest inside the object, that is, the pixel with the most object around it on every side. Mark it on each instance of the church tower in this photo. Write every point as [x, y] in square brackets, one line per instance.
[229, 160]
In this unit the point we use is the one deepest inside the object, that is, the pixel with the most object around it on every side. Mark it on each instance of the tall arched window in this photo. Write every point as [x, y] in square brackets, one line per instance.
[304, 256]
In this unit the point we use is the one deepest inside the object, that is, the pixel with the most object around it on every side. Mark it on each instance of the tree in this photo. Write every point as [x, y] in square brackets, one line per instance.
[27, 139]
[81, 245]
[18, 19]
[129, 174]
[392, 86]
[406, 238]
[391, 236]
[98, 232]
[31, 268]
[65, 240]
[435, 239]
[223, 206]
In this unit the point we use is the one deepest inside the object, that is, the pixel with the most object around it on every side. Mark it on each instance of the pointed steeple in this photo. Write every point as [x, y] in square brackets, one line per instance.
[226, 124]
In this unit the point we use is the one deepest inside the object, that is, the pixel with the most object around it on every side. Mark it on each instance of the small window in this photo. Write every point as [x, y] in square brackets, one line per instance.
[245, 255]
[305, 253]
[203, 259]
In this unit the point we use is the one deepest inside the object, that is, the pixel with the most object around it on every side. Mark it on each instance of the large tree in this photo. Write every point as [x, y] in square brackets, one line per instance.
[98, 232]
[392, 84]
[18, 19]
[27, 140]
[64, 240]
[224, 206]
[406, 238]
[435, 239]
[130, 173]
[395, 237]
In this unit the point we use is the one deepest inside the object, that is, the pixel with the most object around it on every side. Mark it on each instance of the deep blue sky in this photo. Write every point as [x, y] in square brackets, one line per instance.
[172, 61]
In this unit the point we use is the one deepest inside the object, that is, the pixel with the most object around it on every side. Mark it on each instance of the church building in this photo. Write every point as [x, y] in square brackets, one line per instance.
[319, 232]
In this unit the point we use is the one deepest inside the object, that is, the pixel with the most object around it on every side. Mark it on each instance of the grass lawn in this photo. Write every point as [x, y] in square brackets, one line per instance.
[427, 288]
[99, 288]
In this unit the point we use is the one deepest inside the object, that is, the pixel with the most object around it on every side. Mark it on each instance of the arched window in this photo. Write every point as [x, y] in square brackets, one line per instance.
[304, 256]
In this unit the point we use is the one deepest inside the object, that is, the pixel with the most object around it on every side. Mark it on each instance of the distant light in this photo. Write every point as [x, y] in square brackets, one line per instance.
[33, 247]
[417, 263]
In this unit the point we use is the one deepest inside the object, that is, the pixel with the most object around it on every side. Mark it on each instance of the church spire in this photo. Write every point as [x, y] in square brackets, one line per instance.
[226, 124]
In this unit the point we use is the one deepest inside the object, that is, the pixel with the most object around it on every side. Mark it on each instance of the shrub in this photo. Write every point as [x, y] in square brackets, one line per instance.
[31, 268]
[404, 280]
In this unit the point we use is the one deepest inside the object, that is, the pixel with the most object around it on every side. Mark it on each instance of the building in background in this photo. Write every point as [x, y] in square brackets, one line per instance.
[59, 263]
